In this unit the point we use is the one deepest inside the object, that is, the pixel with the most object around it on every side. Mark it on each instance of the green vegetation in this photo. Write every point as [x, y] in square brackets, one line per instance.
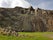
[29, 36]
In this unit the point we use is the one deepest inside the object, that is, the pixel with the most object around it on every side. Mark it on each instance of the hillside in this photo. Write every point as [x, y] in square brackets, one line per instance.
[26, 19]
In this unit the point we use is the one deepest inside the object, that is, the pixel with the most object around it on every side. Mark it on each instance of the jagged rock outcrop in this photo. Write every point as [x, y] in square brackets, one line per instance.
[46, 16]
[26, 19]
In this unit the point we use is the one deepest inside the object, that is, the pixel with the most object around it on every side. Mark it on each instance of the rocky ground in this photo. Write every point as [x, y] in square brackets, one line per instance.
[26, 19]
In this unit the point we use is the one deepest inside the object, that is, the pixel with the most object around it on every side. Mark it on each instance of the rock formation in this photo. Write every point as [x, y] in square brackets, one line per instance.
[26, 19]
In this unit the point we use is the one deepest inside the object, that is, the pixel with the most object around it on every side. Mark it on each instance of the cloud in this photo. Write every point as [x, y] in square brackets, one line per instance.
[44, 4]
[14, 3]
[21, 3]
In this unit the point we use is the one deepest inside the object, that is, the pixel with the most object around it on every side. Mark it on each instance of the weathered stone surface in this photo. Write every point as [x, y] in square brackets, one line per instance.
[26, 19]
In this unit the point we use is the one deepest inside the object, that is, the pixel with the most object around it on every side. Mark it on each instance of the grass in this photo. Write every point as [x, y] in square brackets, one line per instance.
[29, 36]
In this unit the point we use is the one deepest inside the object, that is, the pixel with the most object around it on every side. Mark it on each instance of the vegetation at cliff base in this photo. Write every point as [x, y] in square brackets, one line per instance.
[29, 36]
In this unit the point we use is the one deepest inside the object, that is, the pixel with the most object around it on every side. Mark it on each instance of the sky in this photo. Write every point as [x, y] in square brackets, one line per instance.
[44, 4]
[14, 3]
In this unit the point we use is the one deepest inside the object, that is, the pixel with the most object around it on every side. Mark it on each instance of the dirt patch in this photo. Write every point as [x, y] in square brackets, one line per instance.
[48, 35]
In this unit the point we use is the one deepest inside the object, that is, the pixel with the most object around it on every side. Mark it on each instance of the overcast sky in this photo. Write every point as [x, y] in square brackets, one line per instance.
[44, 4]
[14, 3]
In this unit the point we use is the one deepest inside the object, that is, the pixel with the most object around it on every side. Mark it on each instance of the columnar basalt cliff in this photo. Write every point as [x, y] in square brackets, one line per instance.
[26, 19]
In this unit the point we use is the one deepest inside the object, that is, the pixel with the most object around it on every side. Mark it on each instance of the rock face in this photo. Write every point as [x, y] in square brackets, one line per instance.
[44, 19]
[26, 19]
